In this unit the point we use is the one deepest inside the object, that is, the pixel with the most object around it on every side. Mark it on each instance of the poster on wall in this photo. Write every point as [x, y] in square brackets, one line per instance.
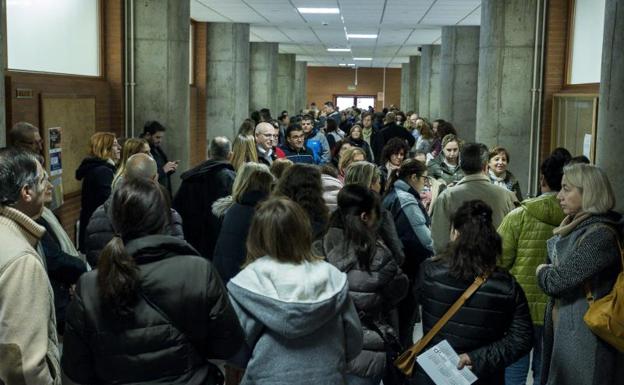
[55, 166]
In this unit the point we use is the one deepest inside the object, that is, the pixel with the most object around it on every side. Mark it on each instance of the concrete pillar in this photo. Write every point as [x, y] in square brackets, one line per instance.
[429, 99]
[459, 71]
[611, 106]
[2, 71]
[506, 55]
[162, 74]
[410, 84]
[286, 82]
[301, 86]
[263, 76]
[227, 77]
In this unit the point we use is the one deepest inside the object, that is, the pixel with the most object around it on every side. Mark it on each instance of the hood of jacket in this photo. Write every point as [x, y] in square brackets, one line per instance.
[91, 163]
[545, 208]
[208, 167]
[291, 300]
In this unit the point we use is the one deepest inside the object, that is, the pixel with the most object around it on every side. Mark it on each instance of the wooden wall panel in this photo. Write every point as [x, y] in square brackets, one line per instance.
[114, 60]
[198, 96]
[325, 82]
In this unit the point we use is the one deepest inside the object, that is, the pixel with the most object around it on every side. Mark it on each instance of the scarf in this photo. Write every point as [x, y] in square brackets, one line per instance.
[570, 222]
[498, 181]
[366, 134]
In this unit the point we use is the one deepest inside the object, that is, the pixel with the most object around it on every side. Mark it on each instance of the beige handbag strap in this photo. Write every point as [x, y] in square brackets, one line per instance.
[420, 345]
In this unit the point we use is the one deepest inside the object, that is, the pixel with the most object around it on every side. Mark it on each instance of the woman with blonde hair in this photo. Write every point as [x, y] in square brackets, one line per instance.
[131, 146]
[583, 262]
[243, 151]
[353, 154]
[300, 323]
[96, 173]
[252, 185]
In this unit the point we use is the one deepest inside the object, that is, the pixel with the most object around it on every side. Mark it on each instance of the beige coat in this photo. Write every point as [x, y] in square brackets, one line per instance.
[28, 343]
[470, 187]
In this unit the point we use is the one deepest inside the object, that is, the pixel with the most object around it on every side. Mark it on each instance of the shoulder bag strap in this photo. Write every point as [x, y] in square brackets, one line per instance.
[420, 345]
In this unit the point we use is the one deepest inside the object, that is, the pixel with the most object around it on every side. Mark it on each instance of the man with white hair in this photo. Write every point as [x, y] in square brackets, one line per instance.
[28, 340]
[265, 141]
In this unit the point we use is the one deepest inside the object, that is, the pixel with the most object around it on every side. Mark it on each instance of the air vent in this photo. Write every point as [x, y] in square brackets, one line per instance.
[23, 93]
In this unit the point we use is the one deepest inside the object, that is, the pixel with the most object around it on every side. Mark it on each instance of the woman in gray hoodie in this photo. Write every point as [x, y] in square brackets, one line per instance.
[300, 324]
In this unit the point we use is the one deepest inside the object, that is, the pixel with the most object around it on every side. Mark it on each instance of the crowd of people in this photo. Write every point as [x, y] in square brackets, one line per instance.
[304, 251]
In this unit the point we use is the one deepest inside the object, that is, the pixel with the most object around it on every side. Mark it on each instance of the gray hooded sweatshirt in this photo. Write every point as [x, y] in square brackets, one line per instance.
[300, 324]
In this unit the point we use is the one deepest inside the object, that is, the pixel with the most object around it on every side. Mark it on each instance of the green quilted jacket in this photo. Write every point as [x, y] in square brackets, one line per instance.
[524, 232]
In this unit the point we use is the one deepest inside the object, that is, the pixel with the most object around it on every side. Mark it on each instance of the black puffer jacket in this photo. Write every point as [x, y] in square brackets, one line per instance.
[195, 322]
[96, 175]
[201, 187]
[373, 292]
[493, 327]
[100, 231]
[230, 250]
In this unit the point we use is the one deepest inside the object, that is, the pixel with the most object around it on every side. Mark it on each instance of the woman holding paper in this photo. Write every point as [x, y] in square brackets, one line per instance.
[493, 327]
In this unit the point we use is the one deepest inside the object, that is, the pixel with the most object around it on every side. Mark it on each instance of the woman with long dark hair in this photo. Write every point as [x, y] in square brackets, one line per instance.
[136, 318]
[376, 283]
[493, 328]
[302, 183]
[413, 226]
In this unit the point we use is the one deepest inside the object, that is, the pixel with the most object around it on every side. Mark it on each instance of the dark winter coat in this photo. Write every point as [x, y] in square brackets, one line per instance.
[493, 327]
[200, 188]
[374, 292]
[96, 175]
[100, 231]
[161, 159]
[63, 270]
[230, 250]
[393, 130]
[195, 322]
[361, 143]
[303, 155]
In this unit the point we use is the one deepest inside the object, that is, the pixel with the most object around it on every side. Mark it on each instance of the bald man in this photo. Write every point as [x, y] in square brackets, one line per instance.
[100, 228]
[25, 136]
[265, 140]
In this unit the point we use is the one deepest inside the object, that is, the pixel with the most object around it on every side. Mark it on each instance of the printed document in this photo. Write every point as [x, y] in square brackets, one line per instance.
[440, 363]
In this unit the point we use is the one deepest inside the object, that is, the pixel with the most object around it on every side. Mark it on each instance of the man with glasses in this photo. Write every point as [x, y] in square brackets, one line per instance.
[25, 136]
[28, 340]
[294, 148]
[265, 140]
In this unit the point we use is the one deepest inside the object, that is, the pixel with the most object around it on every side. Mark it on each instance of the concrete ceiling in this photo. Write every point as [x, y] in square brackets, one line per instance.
[401, 25]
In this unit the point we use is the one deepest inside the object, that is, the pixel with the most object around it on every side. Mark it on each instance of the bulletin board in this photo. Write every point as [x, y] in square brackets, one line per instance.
[574, 121]
[75, 115]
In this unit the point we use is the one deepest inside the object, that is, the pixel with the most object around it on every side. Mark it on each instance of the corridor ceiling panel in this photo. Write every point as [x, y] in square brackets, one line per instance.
[401, 26]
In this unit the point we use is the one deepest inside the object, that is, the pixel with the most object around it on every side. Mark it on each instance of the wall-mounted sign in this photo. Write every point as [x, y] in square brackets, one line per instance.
[351, 88]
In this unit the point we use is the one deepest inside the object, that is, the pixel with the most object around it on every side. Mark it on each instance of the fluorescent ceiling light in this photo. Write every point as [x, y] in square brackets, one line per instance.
[363, 58]
[361, 36]
[319, 10]
[338, 49]
[342, 64]
[345, 64]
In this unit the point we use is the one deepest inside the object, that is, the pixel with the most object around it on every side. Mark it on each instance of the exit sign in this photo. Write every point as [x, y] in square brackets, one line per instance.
[351, 88]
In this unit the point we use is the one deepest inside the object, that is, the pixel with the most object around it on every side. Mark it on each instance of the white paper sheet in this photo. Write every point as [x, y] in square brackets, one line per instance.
[440, 363]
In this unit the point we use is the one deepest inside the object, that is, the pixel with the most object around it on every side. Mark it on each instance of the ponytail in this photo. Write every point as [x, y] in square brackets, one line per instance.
[392, 178]
[117, 278]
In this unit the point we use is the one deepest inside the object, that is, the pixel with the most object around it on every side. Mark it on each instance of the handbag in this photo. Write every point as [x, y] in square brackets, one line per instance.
[392, 346]
[605, 317]
[405, 362]
[216, 376]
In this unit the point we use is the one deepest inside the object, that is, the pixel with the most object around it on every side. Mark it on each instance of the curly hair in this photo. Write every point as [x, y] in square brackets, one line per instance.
[394, 146]
[302, 184]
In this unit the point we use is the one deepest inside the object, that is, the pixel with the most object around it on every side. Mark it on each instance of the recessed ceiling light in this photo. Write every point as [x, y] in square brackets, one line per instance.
[342, 64]
[338, 49]
[319, 10]
[361, 36]
[363, 58]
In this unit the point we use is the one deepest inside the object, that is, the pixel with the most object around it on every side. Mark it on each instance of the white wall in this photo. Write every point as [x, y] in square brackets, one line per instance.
[59, 36]
[587, 41]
